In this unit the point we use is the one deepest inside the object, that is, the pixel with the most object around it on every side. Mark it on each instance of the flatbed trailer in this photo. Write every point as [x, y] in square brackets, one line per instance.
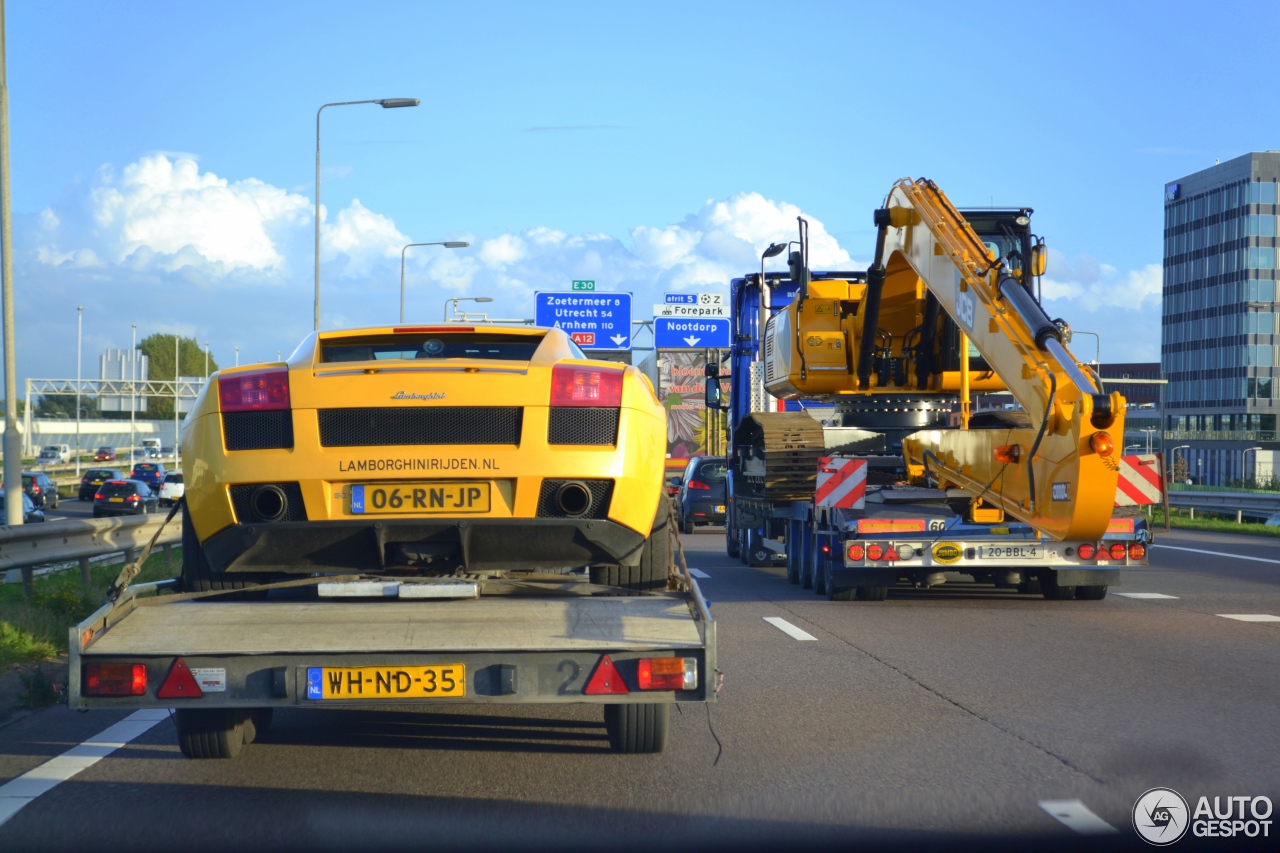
[553, 639]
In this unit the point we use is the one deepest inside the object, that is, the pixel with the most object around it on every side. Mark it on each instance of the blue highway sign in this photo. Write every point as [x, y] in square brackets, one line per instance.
[690, 333]
[599, 320]
[681, 299]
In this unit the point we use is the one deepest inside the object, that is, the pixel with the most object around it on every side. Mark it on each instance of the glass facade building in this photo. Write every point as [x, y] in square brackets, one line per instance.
[1221, 324]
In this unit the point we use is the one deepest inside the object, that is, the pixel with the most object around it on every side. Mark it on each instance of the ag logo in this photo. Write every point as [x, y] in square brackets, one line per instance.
[1160, 816]
[946, 553]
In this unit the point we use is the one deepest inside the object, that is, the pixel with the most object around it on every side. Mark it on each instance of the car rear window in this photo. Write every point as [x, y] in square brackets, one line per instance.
[115, 490]
[105, 449]
[173, 478]
[144, 468]
[711, 472]
[100, 473]
[407, 347]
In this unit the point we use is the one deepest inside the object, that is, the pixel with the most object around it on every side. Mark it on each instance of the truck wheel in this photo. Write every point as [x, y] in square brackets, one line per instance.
[1030, 585]
[198, 576]
[873, 593]
[1091, 593]
[638, 727]
[211, 732]
[794, 556]
[655, 562]
[731, 546]
[1051, 590]
[834, 594]
[820, 574]
[807, 568]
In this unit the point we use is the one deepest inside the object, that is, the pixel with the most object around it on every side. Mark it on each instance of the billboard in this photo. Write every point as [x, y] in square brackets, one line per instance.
[691, 429]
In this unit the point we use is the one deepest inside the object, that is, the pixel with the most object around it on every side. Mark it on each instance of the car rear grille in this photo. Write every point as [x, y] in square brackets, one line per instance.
[574, 425]
[242, 497]
[601, 493]
[257, 430]
[452, 425]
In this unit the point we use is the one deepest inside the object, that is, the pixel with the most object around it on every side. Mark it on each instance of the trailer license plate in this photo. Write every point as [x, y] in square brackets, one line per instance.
[1012, 552]
[430, 498]
[447, 680]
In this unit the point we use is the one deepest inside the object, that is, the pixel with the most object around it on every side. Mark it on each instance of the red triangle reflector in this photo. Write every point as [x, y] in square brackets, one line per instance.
[606, 679]
[179, 683]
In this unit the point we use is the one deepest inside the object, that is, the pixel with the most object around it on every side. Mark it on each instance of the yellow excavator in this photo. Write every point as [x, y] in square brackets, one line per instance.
[878, 369]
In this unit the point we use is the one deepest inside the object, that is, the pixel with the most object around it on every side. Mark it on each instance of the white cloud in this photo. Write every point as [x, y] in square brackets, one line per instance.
[363, 236]
[1122, 307]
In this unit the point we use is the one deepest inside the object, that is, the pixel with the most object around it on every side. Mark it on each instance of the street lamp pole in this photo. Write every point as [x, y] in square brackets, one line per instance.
[176, 356]
[133, 391]
[448, 244]
[1243, 455]
[385, 103]
[79, 336]
[12, 441]
[237, 356]
[456, 299]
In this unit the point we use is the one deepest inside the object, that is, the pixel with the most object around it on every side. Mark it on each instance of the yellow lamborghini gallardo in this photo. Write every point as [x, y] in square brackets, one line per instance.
[426, 450]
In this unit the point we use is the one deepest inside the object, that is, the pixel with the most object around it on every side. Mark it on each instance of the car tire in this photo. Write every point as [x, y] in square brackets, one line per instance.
[97, 513]
[686, 526]
[1091, 593]
[55, 501]
[650, 574]
[199, 576]
[872, 593]
[211, 732]
[638, 727]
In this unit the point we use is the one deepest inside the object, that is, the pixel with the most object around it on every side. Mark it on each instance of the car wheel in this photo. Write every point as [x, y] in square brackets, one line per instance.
[639, 727]
[650, 575]
[97, 513]
[199, 576]
[686, 526]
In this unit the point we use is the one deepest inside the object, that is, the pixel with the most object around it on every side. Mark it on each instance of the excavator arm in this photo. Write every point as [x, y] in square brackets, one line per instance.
[1055, 464]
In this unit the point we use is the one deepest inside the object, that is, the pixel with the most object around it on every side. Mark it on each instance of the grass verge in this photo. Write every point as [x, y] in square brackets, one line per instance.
[1179, 520]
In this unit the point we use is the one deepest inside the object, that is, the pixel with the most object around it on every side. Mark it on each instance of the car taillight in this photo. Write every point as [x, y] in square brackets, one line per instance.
[255, 391]
[1137, 551]
[115, 679]
[97, 496]
[856, 551]
[84, 479]
[132, 498]
[698, 484]
[585, 386]
[35, 488]
[1117, 551]
[1086, 551]
[875, 551]
[667, 673]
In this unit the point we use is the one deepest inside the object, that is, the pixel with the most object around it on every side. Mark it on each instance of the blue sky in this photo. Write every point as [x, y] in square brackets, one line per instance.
[163, 167]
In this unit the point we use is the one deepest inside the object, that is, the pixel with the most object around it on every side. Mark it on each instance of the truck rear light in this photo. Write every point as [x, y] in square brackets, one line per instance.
[115, 679]
[1117, 551]
[606, 680]
[906, 552]
[875, 551]
[255, 391]
[856, 552]
[1137, 551]
[1086, 551]
[594, 387]
[179, 683]
[667, 674]
[698, 484]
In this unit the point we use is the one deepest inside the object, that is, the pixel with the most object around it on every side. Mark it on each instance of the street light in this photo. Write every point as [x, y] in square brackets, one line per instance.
[448, 244]
[79, 336]
[237, 356]
[386, 104]
[1243, 454]
[1148, 431]
[1174, 454]
[458, 299]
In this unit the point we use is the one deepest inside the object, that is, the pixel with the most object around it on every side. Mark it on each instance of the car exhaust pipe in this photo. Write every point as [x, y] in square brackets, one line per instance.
[269, 503]
[573, 499]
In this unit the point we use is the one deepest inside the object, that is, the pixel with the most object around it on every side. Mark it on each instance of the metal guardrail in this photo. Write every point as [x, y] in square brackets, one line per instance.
[30, 545]
[1241, 503]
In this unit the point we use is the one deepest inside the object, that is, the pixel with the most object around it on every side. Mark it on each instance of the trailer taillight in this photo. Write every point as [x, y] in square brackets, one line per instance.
[875, 551]
[1137, 551]
[856, 552]
[667, 673]
[1117, 551]
[115, 679]
[1086, 551]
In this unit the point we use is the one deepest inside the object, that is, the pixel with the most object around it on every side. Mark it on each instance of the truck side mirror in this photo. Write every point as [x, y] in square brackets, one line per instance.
[712, 370]
[713, 394]
[1039, 259]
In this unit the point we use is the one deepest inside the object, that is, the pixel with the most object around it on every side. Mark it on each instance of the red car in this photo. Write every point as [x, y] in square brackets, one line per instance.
[104, 454]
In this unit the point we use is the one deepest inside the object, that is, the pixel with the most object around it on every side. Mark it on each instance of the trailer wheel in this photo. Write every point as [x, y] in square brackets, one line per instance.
[845, 594]
[637, 727]
[211, 732]
[808, 567]
[820, 574]
[731, 546]
[1091, 593]
[872, 593]
[198, 576]
[257, 722]
[650, 575]
[794, 556]
[1030, 585]
[1051, 590]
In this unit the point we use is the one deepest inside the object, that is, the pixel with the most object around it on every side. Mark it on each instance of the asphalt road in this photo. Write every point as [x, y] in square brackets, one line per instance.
[943, 715]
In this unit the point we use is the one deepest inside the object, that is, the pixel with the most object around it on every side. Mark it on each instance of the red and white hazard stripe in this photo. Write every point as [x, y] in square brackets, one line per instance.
[842, 482]
[1140, 480]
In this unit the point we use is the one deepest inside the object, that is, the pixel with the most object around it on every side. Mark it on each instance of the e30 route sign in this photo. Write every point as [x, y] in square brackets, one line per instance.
[599, 320]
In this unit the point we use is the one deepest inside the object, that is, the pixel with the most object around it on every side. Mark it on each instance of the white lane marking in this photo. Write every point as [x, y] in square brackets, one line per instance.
[1251, 617]
[1216, 553]
[699, 573]
[18, 792]
[790, 630]
[1075, 815]
[1144, 595]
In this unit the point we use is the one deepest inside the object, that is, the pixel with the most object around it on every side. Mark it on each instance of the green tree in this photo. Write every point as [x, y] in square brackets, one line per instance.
[158, 349]
[64, 406]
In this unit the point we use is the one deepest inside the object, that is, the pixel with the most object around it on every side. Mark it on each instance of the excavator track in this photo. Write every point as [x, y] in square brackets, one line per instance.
[781, 452]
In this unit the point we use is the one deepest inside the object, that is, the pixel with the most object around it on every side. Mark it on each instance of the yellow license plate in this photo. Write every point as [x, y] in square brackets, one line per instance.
[437, 681]
[97, 482]
[720, 507]
[441, 498]
[116, 500]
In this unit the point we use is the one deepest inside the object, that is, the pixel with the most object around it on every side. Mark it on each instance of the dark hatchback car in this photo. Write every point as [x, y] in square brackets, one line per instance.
[41, 489]
[31, 514]
[95, 477]
[701, 499]
[124, 497]
[151, 473]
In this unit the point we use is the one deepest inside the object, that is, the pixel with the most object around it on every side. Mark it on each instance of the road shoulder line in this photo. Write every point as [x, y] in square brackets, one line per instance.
[1217, 553]
[1077, 817]
[790, 630]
